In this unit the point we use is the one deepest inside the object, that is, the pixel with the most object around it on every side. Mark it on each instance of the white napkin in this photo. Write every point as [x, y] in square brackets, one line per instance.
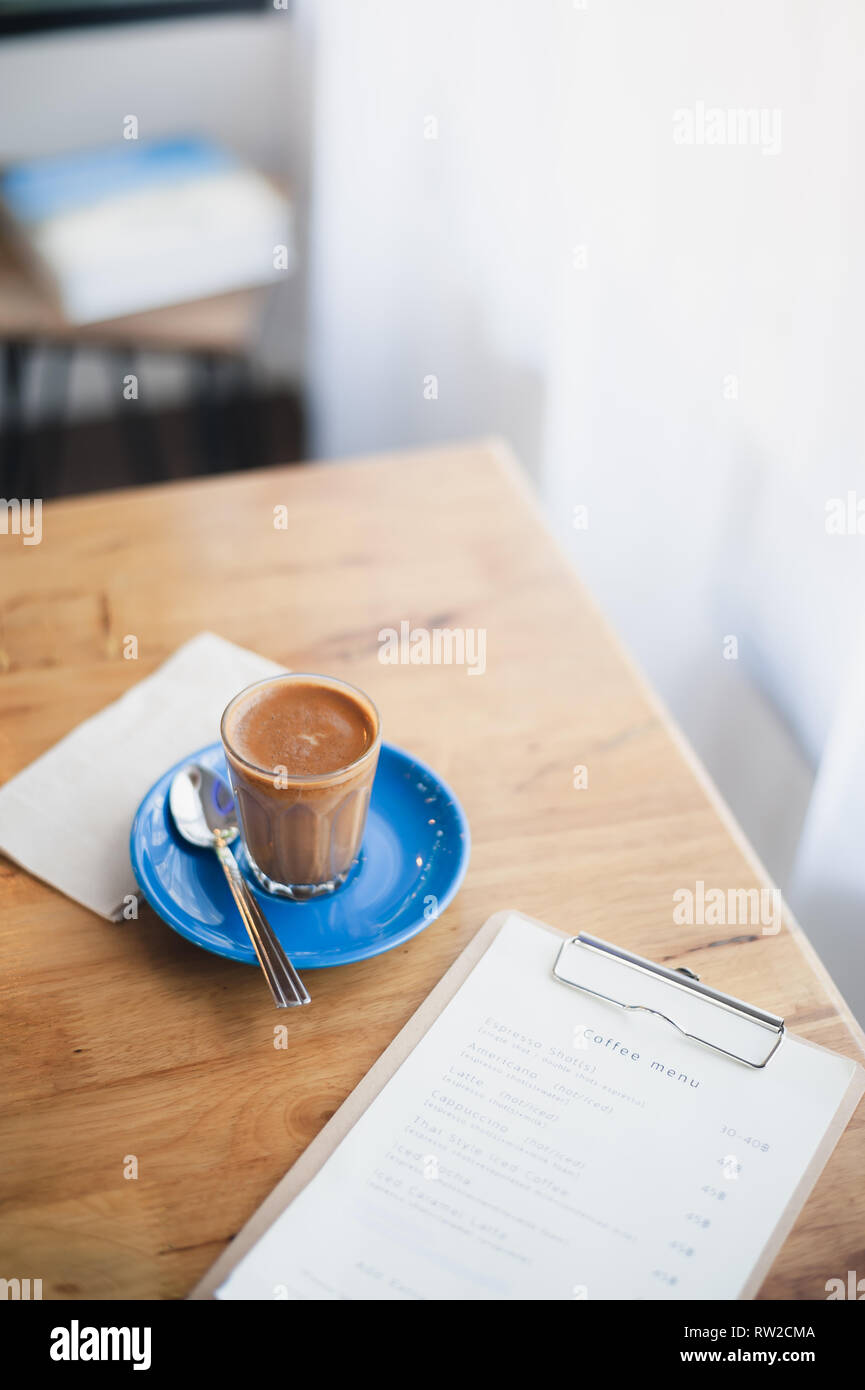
[66, 818]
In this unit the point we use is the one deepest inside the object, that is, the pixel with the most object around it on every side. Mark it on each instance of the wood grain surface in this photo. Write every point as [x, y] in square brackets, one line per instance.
[127, 1040]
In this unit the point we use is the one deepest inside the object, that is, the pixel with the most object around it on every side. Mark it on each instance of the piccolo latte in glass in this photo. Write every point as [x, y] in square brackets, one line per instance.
[302, 751]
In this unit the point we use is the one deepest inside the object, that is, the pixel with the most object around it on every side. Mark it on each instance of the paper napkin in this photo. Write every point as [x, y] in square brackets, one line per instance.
[66, 818]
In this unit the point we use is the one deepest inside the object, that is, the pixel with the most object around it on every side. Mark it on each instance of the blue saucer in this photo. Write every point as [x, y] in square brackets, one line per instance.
[414, 857]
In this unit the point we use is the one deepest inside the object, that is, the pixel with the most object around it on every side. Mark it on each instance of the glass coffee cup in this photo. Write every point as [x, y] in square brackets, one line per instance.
[302, 752]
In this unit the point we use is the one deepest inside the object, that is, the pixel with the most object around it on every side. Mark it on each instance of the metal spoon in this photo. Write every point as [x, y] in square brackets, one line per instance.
[203, 810]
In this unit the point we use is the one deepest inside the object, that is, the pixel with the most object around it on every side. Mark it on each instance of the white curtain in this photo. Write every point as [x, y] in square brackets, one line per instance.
[668, 332]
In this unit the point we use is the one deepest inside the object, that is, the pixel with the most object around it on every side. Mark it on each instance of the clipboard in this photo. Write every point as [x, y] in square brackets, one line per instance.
[364, 1093]
[692, 997]
[704, 1015]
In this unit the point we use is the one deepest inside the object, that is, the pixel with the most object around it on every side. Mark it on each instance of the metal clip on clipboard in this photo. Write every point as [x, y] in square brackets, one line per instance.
[703, 1015]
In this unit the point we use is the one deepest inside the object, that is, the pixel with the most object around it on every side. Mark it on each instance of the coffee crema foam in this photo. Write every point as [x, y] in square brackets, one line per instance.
[304, 728]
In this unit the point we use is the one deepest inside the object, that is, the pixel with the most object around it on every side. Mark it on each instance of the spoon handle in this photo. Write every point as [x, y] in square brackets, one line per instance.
[286, 985]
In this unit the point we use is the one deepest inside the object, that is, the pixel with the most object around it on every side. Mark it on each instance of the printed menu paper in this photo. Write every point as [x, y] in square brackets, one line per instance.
[538, 1143]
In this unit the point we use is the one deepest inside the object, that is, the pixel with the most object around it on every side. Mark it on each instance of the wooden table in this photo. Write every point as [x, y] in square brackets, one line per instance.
[126, 1039]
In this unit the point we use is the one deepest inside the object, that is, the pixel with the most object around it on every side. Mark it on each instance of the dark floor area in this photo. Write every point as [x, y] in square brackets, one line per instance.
[139, 446]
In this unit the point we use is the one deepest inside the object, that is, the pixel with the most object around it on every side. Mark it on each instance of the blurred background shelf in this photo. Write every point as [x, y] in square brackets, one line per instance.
[230, 418]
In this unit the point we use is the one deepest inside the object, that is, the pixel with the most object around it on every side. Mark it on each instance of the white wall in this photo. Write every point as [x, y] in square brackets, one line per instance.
[455, 256]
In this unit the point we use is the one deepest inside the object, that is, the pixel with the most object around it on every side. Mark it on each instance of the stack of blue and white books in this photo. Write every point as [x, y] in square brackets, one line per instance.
[140, 226]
